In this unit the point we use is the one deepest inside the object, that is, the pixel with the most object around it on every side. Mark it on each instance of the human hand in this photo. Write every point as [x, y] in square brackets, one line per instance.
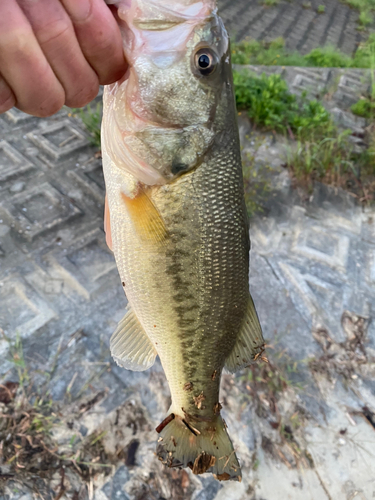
[56, 52]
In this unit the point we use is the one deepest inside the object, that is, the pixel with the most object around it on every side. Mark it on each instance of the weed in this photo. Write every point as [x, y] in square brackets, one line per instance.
[262, 53]
[321, 9]
[28, 420]
[256, 185]
[365, 8]
[315, 160]
[365, 107]
[270, 3]
[365, 18]
[91, 118]
[271, 53]
[270, 105]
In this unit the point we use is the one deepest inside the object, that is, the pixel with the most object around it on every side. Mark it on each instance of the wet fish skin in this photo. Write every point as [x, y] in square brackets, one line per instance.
[180, 235]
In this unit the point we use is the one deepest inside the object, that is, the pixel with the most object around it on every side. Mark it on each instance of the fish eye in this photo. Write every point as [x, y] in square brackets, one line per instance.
[205, 61]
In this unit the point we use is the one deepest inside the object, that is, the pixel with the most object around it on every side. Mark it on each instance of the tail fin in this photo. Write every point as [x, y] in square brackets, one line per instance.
[207, 449]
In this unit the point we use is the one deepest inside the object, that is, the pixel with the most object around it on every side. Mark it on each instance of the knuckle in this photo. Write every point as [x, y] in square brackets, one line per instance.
[7, 98]
[54, 31]
[7, 103]
[50, 106]
[84, 95]
[113, 75]
[16, 43]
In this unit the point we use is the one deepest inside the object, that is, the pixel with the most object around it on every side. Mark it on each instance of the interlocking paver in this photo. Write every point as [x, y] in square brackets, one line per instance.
[303, 29]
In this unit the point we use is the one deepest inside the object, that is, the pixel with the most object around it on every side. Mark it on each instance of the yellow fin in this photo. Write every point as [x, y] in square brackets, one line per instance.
[146, 218]
[250, 343]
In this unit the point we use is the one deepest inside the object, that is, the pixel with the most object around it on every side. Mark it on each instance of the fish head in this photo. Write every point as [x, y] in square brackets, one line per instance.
[164, 109]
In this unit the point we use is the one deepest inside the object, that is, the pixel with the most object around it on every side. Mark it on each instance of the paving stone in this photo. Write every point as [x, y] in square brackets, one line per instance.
[303, 29]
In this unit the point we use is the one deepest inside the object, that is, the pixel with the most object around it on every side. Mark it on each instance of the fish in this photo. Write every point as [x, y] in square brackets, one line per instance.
[176, 220]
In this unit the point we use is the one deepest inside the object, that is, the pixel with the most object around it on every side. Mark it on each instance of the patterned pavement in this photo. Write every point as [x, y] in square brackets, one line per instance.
[302, 28]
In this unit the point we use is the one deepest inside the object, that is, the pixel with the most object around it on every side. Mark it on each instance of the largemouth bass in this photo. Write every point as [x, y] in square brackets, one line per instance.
[177, 221]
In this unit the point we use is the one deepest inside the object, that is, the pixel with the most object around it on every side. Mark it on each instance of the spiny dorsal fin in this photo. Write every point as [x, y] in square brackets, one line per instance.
[130, 346]
[146, 218]
[250, 342]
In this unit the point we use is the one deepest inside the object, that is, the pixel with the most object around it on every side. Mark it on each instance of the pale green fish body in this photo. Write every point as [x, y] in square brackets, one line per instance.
[172, 165]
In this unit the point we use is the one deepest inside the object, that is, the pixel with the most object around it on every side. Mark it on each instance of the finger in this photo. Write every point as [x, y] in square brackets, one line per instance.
[99, 37]
[55, 34]
[7, 98]
[23, 65]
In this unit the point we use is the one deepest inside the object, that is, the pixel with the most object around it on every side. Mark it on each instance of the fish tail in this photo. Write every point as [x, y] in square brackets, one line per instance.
[204, 447]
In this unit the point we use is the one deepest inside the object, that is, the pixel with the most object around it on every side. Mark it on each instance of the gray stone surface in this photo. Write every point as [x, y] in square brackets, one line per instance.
[312, 278]
[302, 28]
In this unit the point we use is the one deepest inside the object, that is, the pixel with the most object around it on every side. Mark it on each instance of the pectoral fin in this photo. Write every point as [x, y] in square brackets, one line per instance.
[146, 218]
[130, 346]
[250, 342]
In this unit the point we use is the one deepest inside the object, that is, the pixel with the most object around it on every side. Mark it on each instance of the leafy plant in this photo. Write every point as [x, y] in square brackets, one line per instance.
[256, 185]
[270, 105]
[365, 107]
[91, 118]
[329, 157]
[365, 8]
[270, 53]
[327, 57]
[321, 9]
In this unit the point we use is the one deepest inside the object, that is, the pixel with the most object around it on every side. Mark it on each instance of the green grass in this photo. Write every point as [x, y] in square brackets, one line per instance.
[329, 159]
[274, 53]
[365, 7]
[91, 118]
[271, 106]
[319, 151]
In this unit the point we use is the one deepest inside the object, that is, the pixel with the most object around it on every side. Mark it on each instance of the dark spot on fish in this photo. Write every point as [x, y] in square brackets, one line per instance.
[123, 283]
[178, 167]
[173, 441]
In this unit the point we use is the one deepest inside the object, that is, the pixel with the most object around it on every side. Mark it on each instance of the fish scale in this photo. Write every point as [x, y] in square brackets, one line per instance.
[180, 235]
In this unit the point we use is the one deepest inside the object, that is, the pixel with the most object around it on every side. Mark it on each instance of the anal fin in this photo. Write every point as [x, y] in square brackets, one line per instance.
[250, 342]
[130, 346]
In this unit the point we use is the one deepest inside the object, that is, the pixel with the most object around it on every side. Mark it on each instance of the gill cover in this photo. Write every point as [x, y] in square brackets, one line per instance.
[158, 121]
